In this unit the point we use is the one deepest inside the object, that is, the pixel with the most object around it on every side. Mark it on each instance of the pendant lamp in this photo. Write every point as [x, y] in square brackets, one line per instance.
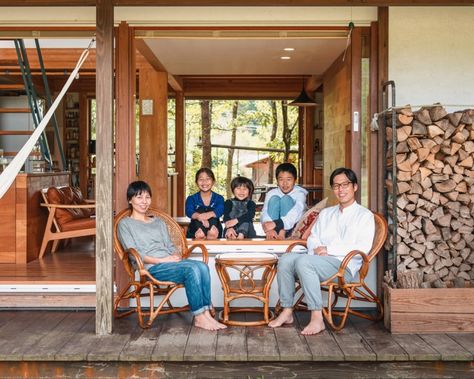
[303, 100]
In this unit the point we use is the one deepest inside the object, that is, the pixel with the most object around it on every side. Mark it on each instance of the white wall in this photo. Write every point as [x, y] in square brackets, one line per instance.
[431, 55]
[179, 16]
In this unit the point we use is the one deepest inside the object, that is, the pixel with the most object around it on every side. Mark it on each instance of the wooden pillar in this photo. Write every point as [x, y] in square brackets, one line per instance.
[153, 87]
[355, 134]
[308, 143]
[83, 142]
[374, 180]
[104, 189]
[180, 151]
[125, 171]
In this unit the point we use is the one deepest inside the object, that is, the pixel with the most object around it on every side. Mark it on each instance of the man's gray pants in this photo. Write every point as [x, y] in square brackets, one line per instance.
[311, 270]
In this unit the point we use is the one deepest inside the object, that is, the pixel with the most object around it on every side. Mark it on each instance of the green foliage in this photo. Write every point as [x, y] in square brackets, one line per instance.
[254, 126]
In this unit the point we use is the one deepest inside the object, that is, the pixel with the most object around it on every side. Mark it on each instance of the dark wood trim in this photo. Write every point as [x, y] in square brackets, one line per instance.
[307, 145]
[248, 3]
[180, 150]
[83, 141]
[104, 188]
[382, 57]
[356, 54]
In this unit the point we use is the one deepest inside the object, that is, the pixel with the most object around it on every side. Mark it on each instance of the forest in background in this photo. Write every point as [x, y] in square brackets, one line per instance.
[249, 124]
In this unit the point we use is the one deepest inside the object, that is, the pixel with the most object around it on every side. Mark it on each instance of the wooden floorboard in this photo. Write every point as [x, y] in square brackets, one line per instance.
[69, 265]
[449, 349]
[323, 346]
[381, 343]
[48, 346]
[59, 336]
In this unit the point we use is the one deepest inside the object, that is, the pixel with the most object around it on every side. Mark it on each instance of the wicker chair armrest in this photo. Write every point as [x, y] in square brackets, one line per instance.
[295, 244]
[138, 259]
[204, 252]
[89, 201]
[69, 206]
[363, 269]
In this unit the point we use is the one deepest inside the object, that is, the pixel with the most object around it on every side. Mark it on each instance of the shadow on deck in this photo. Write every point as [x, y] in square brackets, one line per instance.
[63, 344]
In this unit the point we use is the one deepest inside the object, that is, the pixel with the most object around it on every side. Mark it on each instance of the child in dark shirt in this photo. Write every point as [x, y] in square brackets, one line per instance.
[240, 211]
[204, 208]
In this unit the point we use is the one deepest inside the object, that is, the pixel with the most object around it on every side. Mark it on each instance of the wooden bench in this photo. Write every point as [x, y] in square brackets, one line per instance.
[70, 215]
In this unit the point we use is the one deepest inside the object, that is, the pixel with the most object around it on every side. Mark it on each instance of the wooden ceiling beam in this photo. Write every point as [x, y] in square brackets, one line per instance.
[174, 82]
[248, 3]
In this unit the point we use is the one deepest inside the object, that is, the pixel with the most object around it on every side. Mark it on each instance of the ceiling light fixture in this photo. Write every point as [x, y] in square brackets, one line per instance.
[289, 49]
[303, 100]
[285, 58]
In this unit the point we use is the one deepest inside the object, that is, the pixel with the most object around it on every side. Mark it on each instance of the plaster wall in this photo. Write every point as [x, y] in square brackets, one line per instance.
[192, 16]
[431, 55]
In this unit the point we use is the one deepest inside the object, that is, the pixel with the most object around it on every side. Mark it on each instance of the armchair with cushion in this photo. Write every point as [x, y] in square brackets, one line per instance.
[70, 215]
[141, 283]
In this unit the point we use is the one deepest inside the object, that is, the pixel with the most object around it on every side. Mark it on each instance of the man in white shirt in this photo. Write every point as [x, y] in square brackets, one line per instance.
[339, 230]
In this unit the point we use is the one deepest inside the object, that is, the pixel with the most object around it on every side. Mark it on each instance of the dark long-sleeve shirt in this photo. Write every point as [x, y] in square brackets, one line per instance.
[242, 210]
[194, 202]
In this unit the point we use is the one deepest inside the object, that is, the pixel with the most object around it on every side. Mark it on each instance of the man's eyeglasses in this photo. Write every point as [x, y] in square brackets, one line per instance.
[343, 186]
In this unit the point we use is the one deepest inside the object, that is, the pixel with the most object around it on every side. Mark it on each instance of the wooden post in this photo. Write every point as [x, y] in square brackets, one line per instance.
[104, 189]
[180, 150]
[125, 171]
[83, 142]
[308, 143]
[153, 90]
[356, 53]
[125, 120]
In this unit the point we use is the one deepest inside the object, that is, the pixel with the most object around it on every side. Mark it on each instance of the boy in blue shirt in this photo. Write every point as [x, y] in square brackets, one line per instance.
[283, 205]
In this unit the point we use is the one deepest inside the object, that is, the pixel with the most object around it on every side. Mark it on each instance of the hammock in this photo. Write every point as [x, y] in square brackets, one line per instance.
[11, 171]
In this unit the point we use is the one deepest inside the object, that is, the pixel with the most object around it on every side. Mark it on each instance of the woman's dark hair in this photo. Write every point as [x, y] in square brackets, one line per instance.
[136, 188]
[346, 171]
[286, 167]
[242, 181]
[207, 171]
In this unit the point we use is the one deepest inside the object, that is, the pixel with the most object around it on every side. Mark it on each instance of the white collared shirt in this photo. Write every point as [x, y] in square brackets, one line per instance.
[342, 230]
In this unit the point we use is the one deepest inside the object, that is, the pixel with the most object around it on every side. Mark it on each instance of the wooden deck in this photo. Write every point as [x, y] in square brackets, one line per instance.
[47, 340]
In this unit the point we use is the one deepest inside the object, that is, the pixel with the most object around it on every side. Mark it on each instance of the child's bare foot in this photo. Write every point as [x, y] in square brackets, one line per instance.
[199, 235]
[240, 236]
[213, 233]
[285, 317]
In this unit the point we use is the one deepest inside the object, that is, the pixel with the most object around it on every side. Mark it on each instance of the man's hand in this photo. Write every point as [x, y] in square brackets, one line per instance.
[268, 225]
[231, 234]
[321, 251]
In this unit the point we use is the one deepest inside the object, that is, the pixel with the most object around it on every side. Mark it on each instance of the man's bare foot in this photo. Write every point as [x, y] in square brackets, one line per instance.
[285, 317]
[313, 328]
[240, 236]
[213, 233]
[199, 235]
[203, 322]
[316, 324]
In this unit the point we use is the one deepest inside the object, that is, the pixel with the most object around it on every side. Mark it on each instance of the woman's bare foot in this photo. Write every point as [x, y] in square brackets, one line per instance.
[213, 233]
[285, 317]
[316, 324]
[199, 235]
[203, 322]
[240, 236]
[217, 323]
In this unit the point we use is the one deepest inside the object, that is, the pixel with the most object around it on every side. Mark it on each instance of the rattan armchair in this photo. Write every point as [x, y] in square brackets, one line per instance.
[337, 287]
[141, 283]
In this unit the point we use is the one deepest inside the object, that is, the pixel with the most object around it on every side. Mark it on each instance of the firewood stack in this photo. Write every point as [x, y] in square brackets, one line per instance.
[435, 193]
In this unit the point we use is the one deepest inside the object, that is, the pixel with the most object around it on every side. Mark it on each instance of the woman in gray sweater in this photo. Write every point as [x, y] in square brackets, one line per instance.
[149, 236]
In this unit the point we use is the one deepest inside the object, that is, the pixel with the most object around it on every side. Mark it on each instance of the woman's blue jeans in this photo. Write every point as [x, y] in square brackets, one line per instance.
[195, 277]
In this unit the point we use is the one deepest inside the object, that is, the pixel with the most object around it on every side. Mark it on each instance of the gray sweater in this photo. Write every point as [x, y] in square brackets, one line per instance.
[148, 238]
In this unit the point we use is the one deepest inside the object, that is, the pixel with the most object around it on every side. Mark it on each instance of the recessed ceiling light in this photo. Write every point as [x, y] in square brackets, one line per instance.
[285, 58]
[289, 49]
